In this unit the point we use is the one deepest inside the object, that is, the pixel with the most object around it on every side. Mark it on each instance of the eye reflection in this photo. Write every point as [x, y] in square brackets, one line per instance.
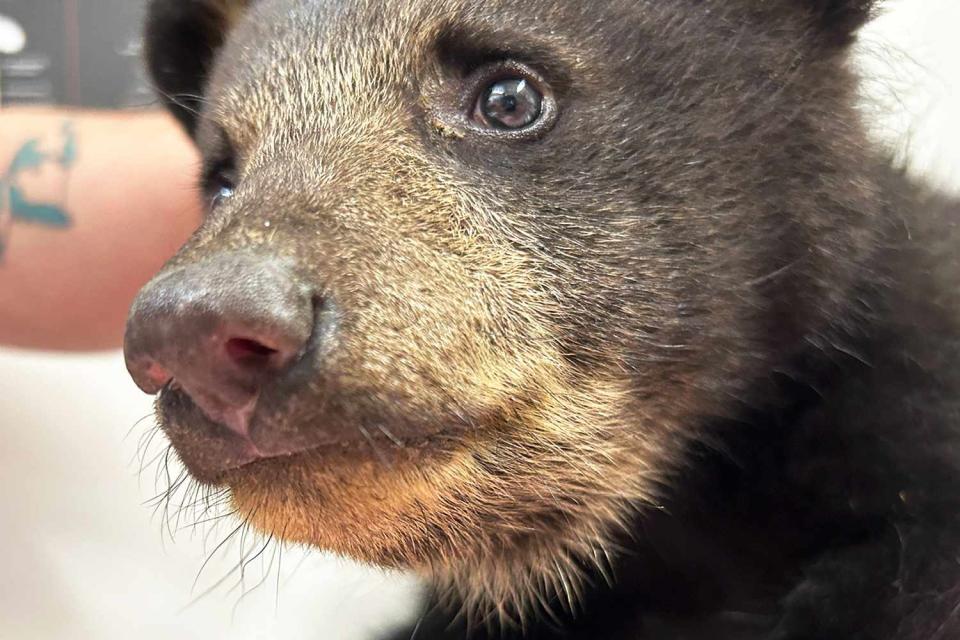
[512, 103]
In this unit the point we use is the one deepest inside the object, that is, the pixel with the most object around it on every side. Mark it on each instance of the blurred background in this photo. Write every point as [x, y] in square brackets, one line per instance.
[88, 550]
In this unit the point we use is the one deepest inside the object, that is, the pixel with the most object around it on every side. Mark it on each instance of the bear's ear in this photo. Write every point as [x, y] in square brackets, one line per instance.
[182, 40]
[839, 19]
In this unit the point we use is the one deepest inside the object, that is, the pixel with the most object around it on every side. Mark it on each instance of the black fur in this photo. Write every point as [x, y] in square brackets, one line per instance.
[820, 500]
[180, 48]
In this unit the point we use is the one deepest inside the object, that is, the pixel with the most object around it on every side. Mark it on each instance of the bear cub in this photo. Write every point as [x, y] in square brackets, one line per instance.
[604, 317]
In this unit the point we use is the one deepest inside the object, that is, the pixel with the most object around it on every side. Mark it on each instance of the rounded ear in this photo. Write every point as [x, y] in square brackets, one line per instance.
[182, 40]
[840, 19]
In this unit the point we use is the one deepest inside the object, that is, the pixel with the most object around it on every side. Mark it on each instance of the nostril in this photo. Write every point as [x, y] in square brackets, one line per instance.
[250, 353]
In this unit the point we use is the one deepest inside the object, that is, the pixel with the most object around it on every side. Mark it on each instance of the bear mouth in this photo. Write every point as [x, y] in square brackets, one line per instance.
[210, 449]
[213, 452]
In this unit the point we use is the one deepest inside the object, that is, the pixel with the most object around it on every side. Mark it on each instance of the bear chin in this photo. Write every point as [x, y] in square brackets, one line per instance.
[503, 521]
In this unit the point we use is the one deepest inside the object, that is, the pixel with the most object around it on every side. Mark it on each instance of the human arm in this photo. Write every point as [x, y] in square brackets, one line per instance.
[91, 205]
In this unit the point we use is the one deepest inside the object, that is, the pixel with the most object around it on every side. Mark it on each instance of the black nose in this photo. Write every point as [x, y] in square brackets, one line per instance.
[219, 329]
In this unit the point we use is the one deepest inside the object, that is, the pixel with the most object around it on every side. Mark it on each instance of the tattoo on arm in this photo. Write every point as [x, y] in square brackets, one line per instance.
[33, 189]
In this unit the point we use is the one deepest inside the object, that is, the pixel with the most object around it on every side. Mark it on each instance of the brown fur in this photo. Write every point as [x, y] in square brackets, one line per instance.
[531, 334]
[448, 322]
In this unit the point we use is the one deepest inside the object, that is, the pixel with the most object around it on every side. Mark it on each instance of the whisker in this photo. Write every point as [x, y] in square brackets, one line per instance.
[374, 447]
[137, 424]
[213, 553]
[390, 436]
[222, 516]
[245, 592]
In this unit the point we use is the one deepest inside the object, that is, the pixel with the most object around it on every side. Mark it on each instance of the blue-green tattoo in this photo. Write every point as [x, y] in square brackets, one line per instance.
[15, 206]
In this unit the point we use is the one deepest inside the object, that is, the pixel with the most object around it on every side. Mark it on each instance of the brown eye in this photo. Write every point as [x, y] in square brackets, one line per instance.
[510, 103]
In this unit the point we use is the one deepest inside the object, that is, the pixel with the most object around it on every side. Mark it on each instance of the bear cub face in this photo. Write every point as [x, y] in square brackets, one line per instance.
[474, 275]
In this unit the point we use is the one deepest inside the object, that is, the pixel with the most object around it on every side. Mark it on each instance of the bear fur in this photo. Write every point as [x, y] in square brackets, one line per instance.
[683, 365]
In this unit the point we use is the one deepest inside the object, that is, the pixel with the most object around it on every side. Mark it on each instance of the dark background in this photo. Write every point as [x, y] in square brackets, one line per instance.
[78, 52]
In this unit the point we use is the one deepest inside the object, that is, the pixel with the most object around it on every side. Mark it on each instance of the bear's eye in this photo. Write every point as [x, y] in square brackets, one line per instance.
[219, 186]
[510, 103]
[223, 192]
[508, 100]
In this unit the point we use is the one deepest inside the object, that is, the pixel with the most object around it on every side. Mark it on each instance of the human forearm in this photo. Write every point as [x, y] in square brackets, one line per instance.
[91, 204]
